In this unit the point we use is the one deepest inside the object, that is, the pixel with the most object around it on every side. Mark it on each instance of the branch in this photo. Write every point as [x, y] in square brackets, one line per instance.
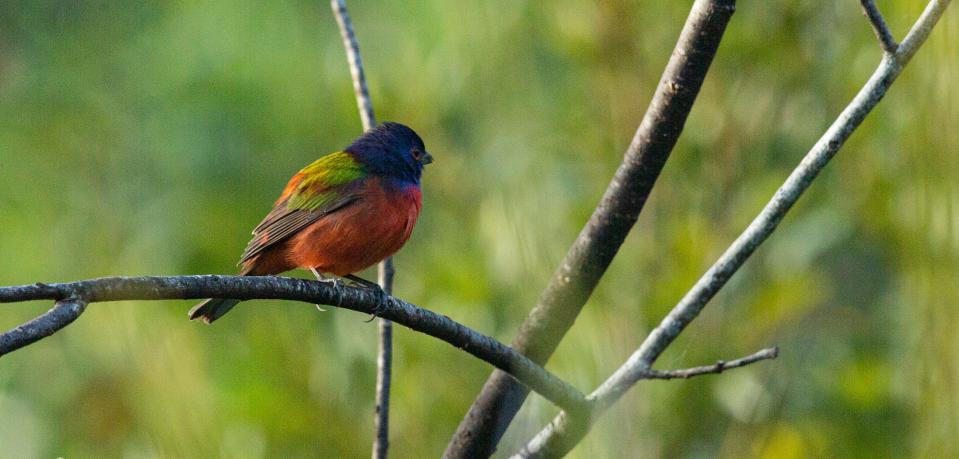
[569, 430]
[63, 313]
[565, 431]
[920, 31]
[384, 353]
[879, 26]
[718, 367]
[360, 89]
[597, 244]
[362, 300]
[384, 369]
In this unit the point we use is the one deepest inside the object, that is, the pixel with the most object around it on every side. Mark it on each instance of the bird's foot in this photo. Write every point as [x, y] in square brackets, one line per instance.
[320, 277]
[365, 284]
[378, 309]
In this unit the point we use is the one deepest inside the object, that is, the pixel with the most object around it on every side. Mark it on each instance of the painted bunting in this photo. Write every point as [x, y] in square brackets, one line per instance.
[344, 213]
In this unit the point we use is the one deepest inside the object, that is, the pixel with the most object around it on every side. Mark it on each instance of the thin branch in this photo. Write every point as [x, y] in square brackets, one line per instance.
[360, 88]
[597, 244]
[718, 367]
[384, 372]
[565, 431]
[63, 313]
[384, 369]
[879, 26]
[920, 30]
[384, 353]
[362, 300]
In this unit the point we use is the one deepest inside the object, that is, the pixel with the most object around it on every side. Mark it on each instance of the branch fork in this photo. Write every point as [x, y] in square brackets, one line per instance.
[564, 432]
[879, 26]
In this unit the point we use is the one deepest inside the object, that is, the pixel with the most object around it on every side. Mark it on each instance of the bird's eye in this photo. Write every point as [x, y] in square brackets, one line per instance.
[417, 154]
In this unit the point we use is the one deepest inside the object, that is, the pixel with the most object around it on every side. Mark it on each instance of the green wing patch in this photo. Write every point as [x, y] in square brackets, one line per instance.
[320, 180]
[325, 186]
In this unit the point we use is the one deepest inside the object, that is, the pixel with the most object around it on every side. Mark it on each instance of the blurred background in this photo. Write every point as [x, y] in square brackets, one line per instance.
[150, 137]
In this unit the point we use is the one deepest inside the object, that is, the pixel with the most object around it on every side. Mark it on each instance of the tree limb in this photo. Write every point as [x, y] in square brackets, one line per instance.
[272, 287]
[385, 271]
[879, 26]
[597, 244]
[565, 431]
[63, 313]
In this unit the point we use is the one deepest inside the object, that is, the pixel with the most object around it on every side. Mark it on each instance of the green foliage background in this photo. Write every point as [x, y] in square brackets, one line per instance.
[150, 137]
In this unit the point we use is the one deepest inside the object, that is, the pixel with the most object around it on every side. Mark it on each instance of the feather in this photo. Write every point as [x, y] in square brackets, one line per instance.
[326, 186]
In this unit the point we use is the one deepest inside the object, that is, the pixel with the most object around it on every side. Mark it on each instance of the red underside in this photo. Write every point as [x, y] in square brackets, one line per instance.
[350, 239]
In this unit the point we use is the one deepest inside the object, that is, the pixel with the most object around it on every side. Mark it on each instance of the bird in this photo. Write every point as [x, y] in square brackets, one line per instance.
[341, 214]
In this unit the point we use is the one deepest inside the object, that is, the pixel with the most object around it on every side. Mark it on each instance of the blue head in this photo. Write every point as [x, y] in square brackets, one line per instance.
[391, 150]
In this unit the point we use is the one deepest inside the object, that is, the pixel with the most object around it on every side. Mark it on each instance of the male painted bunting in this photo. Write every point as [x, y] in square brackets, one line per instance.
[344, 213]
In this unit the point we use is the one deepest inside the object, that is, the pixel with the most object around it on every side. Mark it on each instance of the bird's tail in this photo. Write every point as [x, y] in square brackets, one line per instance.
[212, 309]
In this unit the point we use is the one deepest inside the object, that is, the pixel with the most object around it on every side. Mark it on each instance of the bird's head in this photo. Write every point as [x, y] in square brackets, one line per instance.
[391, 150]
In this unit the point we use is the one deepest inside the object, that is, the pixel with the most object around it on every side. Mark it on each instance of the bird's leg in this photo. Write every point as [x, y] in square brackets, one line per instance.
[320, 277]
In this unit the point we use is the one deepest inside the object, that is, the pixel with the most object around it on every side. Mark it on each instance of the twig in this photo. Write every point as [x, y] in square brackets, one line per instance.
[384, 369]
[273, 287]
[384, 353]
[571, 429]
[597, 244]
[879, 26]
[718, 367]
[360, 88]
[63, 313]
[920, 31]
[564, 432]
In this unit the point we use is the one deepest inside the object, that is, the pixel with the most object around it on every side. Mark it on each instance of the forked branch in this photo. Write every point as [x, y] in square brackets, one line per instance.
[63, 313]
[879, 26]
[362, 300]
[591, 254]
[565, 431]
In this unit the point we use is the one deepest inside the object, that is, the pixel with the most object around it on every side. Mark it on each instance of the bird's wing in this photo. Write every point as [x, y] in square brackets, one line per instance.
[329, 184]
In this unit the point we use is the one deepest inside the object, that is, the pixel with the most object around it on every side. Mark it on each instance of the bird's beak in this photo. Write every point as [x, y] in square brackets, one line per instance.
[427, 158]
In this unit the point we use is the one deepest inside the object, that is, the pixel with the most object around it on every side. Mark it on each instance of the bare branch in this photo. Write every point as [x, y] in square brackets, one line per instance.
[384, 369]
[360, 88]
[384, 372]
[384, 353]
[362, 300]
[569, 430]
[565, 431]
[597, 244]
[920, 30]
[879, 26]
[718, 367]
[63, 313]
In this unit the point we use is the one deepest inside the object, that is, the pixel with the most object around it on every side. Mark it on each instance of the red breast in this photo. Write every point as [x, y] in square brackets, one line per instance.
[359, 235]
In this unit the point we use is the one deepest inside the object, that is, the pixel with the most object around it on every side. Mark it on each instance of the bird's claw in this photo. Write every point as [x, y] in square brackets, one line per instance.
[358, 282]
[379, 308]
